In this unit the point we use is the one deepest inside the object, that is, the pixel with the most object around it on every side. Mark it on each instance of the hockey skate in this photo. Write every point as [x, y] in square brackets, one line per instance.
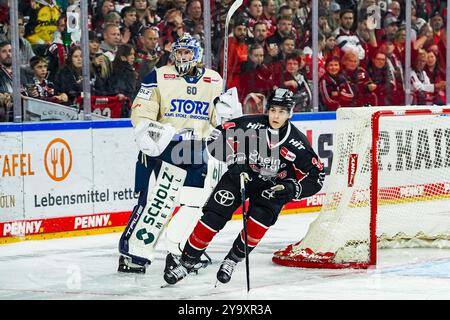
[227, 267]
[172, 261]
[178, 269]
[127, 266]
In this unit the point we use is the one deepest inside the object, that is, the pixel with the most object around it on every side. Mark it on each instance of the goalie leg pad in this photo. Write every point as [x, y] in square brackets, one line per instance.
[180, 227]
[129, 230]
[146, 225]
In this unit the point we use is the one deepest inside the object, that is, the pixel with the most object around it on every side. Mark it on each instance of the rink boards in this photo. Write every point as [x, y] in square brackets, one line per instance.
[61, 179]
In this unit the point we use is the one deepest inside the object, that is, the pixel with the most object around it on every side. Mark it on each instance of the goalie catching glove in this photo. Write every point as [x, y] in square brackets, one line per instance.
[153, 137]
[286, 190]
[227, 106]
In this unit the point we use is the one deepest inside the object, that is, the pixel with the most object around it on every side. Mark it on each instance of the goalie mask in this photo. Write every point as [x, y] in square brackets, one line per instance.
[281, 98]
[187, 42]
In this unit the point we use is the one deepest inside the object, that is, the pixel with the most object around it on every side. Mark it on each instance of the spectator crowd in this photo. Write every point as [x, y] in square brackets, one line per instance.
[361, 50]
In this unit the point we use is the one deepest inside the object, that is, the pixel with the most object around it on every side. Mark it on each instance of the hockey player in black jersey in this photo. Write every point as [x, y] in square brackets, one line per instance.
[280, 166]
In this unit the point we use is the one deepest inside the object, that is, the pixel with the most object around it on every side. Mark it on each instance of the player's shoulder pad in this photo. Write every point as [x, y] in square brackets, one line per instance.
[150, 80]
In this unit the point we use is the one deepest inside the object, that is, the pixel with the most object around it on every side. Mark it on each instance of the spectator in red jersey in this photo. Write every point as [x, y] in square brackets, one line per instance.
[368, 39]
[382, 77]
[436, 75]
[269, 16]
[237, 52]
[334, 90]
[323, 54]
[442, 50]
[254, 75]
[362, 86]
[253, 14]
[423, 91]
[437, 24]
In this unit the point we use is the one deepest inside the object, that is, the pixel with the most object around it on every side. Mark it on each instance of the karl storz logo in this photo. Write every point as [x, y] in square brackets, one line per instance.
[58, 159]
[224, 198]
[189, 106]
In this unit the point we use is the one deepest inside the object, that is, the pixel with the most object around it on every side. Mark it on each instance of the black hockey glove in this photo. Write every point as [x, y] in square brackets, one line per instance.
[284, 191]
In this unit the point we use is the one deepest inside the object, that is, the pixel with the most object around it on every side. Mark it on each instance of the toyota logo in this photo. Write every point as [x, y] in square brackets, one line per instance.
[224, 198]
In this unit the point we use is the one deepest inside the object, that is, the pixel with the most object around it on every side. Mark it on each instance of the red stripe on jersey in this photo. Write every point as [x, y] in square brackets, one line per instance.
[255, 232]
[201, 236]
[299, 174]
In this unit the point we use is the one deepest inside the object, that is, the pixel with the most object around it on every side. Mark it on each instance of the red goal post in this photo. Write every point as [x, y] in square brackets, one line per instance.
[361, 201]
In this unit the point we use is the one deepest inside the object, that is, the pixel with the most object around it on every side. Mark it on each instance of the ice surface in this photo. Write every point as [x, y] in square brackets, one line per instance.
[85, 268]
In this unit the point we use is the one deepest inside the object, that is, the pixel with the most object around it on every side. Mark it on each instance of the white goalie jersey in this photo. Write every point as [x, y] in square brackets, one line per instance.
[184, 102]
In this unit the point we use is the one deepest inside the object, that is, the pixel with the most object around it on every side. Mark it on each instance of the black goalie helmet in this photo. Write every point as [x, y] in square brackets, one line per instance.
[281, 98]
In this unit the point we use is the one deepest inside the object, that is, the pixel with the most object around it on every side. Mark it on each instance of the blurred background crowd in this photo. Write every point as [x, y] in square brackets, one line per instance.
[361, 50]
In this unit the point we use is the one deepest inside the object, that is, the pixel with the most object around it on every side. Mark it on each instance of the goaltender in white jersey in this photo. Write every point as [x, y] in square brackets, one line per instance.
[181, 101]
[176, 108]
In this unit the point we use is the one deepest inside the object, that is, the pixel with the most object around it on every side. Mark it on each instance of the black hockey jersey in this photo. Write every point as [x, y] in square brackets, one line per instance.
[268, 154]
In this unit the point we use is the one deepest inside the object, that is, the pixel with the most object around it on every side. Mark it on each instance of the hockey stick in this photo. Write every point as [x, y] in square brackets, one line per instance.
[244, 178]
[230, 13]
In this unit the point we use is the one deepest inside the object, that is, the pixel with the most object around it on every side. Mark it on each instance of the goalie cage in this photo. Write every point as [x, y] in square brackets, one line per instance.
[404, 202]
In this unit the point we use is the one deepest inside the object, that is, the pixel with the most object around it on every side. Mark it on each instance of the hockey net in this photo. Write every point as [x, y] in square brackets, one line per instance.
[389, 187]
